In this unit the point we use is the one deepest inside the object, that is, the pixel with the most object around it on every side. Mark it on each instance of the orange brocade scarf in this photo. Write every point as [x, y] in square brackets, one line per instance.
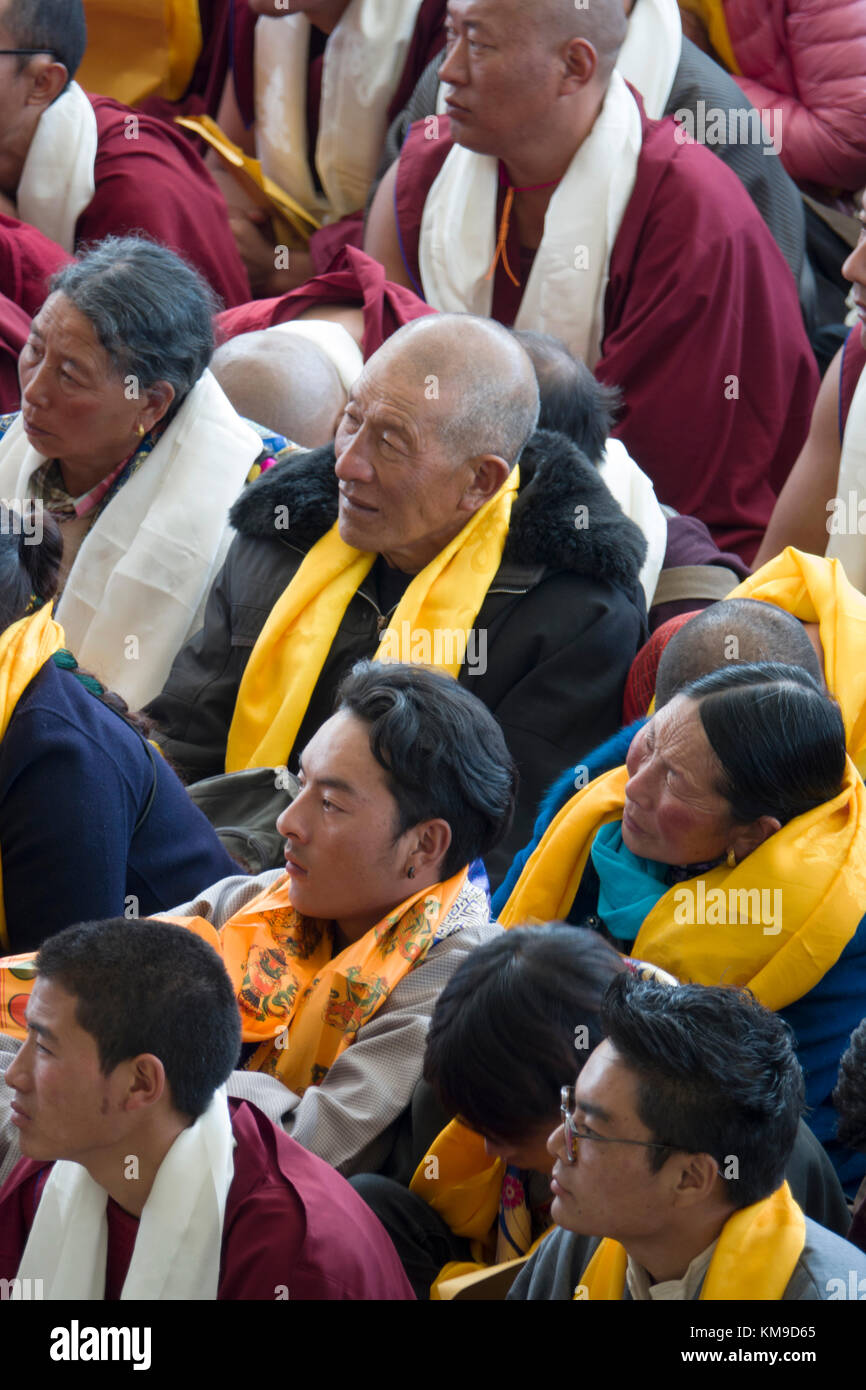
[303, 1005]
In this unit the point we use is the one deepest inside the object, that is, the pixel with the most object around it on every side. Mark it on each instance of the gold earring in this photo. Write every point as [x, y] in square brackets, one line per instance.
[141, 431]
[732, 859]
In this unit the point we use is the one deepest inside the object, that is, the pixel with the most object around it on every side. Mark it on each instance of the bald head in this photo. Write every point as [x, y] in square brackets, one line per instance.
[477, 377]
[733, 633]
[602, 23]
[283, 382]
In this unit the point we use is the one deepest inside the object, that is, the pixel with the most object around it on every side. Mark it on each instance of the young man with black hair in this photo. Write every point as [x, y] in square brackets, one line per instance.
[140, 1179]
[505, 1026]
[438, 528]
[520, 1013]
[669, 1175]
[338, 959]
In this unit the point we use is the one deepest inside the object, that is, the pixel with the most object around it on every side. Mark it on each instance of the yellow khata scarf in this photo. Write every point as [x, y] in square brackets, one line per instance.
[292, 224]
[304, 1005]
[551, 875]
[160, 41]
[470, 1191]
[756, 1255]
[430, 626]
[24, 649]
[775, 923]
[459, 1180]
[712, 12]
[816, 590]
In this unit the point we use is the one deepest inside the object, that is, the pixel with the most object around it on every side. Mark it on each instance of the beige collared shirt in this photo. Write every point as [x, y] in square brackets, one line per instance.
[682, 1290]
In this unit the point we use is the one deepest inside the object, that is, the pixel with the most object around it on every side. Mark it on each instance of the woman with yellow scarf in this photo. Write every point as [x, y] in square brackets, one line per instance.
[730, 850]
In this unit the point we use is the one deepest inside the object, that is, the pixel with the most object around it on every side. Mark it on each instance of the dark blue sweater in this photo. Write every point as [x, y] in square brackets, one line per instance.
[74, 780]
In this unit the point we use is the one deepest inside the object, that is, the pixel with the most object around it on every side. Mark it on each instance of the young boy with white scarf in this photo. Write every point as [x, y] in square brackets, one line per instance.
[140, 1180]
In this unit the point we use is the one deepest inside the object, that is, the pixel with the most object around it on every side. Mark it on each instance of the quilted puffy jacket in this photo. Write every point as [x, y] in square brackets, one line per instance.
[808, 58]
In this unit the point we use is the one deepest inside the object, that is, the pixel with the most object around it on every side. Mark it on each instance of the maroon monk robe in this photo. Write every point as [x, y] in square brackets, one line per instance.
[209, 74]
[150, 179]
[27, 261]
[352, 278]
[14, 328]
[702, 330]
[293, 1227]
[427, 40]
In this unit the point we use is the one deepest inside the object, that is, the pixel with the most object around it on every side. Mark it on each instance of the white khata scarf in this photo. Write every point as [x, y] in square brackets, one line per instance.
[650, 56]
[636, 495]
[564, 294]
[145, 568]
[177, 1249]
[363, 62]
[846, 542]
[57, 181]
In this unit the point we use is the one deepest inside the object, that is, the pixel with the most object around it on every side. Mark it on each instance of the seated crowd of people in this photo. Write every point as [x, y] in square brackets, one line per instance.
[433, 650]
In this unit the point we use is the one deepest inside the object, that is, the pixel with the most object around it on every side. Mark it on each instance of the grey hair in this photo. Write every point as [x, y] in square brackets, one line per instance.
[151, 311]
[492, 404]
[492, 419]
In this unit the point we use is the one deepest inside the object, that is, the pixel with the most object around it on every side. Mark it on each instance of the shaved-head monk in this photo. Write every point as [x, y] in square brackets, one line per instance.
[285, 378]
[437, 529]
[547, 200]
[81, 168]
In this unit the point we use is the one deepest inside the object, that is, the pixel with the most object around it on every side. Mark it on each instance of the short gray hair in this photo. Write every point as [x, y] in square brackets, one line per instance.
[492, 420]
[490, 403]
[151, 311]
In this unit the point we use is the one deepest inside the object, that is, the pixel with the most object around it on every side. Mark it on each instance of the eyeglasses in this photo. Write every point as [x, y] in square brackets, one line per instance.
[26, 52]
[574, 1133]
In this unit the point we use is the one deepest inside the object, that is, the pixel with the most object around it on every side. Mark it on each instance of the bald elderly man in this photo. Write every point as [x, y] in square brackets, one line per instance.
[547, 200]
[437, 529]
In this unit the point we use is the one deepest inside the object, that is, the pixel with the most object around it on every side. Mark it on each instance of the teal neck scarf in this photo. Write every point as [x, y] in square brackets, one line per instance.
[629, 887]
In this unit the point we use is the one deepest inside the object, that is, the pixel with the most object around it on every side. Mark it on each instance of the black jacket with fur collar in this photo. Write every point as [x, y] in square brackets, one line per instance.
[554, 638]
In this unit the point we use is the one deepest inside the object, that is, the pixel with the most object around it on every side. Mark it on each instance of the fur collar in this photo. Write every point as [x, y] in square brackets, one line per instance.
[546, 529]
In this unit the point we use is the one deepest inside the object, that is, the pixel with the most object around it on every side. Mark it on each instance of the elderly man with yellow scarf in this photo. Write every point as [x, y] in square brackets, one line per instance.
[669, 1175]
[439, 528]
[337, 960]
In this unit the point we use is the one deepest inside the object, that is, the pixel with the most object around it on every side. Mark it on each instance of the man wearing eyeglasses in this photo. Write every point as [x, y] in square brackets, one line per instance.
[80, 167]
[669, 1175]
